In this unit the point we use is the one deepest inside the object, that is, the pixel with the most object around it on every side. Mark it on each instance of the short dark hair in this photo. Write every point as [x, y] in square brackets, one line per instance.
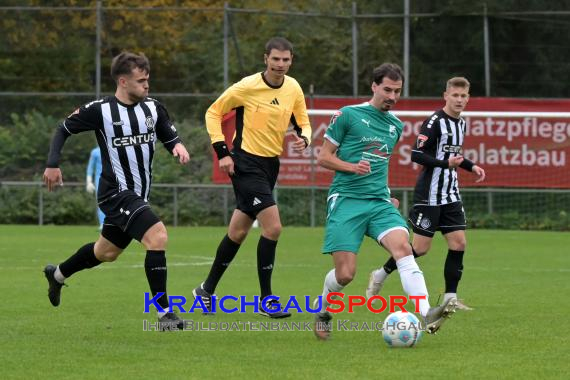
[126, 62]
[390, 70]
[278, 43]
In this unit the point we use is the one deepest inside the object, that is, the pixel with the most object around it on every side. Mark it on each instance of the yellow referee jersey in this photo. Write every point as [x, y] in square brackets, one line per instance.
[263, 113]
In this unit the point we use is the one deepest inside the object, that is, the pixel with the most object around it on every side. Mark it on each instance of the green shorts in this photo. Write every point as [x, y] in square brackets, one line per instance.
[349, 219]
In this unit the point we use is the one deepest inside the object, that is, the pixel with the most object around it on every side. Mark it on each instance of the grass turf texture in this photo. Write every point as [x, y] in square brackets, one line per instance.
[518, 283]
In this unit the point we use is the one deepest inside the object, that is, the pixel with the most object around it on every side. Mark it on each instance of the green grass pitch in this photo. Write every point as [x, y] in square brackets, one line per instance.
[518, 283]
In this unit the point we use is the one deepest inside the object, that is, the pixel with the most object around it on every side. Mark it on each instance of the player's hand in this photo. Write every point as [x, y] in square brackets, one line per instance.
[479, 172]
[90, 186]
[53, 178]
[299, 144]
[395, 202]
[362, 168]
[180, 151]
[227, 165]
[455, 161]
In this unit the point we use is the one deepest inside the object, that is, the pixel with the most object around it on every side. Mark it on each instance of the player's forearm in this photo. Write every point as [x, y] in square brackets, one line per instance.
[332, 162]
[214, 125]
[57, 142]
[171, 143]
[428, 161]
[302, 125]
[306, 134]
[90, 168]
[467, 164]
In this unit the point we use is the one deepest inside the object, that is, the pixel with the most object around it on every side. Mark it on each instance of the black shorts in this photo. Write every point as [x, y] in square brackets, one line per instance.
[426, 220]
[127, 217]
[253, 181]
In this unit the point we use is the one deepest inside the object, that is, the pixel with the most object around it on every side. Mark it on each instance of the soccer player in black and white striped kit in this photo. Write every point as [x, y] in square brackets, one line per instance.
[437, 203]
[127, 126]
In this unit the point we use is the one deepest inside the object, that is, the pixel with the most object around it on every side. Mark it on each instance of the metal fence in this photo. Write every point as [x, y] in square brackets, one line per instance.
[195, 204]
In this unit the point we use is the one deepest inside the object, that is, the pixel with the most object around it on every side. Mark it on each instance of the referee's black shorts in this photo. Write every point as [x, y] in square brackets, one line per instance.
[127, 216]
[253, 181]
[427, 219]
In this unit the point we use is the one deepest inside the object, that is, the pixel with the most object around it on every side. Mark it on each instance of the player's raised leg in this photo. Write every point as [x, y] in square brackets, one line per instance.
[378, 276]
[88, 256]
[413, 282]
[420, 246]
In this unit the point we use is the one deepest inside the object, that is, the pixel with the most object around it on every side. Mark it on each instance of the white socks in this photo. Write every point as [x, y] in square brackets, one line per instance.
[447, 296]
[413, 281]
[330, 285]
[380, 275]
[58, 276]
[161, 314]
[411, 276]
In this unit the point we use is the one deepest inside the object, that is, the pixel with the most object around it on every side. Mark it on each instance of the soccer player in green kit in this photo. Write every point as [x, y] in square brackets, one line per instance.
[358, 144]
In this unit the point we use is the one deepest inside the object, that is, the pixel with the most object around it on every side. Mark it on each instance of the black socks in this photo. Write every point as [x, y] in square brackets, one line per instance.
[453, 270]
[155, 268]
[84, 258]
[265, 261]
[226, 252]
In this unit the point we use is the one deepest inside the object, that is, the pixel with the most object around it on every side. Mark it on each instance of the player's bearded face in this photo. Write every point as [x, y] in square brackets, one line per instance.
[386, 94]
[137, 85]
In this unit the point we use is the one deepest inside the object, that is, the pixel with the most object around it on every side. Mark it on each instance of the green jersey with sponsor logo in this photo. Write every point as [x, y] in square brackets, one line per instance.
[362, 132]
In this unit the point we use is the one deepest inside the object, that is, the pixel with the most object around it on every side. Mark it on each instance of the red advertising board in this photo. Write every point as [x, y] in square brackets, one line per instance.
[516, 150]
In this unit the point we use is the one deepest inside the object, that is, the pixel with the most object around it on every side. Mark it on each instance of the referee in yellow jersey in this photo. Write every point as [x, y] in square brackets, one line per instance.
[265, 104]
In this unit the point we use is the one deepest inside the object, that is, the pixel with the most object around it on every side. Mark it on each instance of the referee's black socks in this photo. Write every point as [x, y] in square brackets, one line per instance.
[226, 252]
[265, 260]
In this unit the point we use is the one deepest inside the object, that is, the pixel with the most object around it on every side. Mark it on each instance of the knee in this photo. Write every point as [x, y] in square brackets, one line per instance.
[108, 256]
[421, 249]
[344, 277]
[238, 235]
[272, 232]
[420, 253]
[458, 245]
[105, 251]
[401, 250]
[157, 241]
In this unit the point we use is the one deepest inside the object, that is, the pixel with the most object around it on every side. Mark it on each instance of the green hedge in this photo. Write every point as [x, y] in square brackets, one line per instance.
[24, 145]
[205, 207]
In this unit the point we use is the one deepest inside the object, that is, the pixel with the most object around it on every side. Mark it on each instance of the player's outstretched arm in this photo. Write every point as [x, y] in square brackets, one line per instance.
[52, 175]
[180, 151]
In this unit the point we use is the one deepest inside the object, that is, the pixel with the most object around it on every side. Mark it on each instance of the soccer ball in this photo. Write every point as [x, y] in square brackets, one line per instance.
[401, 329]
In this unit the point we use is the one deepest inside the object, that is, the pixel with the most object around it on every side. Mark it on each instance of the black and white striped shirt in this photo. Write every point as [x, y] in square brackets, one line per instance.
[441, 137]
[126, 135]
